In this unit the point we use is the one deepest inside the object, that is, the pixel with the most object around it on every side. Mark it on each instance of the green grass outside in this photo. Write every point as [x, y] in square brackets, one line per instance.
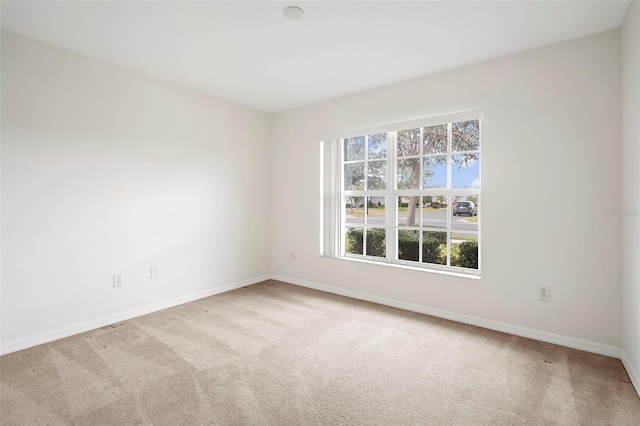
[465, 237]
[373, 211]
[380, 211]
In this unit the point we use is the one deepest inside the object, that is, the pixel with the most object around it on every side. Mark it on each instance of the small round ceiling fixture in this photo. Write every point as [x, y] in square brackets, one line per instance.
[293, 12]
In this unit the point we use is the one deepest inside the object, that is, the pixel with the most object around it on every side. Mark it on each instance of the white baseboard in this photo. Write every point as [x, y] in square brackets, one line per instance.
[584, 345]
[59, 333]
[571, 342]
[633, 374]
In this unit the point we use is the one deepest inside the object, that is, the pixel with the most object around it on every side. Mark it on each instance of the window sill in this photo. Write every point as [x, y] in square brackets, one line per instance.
[473, 276]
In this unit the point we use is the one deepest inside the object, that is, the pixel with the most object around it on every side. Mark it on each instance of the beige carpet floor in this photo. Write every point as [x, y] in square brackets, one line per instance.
[277, 354]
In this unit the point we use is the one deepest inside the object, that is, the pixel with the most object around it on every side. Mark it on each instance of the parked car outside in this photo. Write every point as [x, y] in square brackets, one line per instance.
[465, 207]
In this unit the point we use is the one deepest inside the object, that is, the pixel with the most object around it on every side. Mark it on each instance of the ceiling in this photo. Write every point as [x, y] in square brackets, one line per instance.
[247, 52]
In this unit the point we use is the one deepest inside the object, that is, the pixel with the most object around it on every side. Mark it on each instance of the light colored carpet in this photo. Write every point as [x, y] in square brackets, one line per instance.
[277, 354]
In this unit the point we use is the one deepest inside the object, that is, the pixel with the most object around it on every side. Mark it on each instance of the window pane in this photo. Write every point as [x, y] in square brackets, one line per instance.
[354, 177]
[408, 211]
[354, 148]
[465, 135]
[409, 173]
[434, 247]
[408, 142]
[354, 210]
[377, 175]
[465, 171]
[464, 250]
[408, 245]
[435, 139]
[435, 172]
[376, 211]
[377, 146]
[353, 240]
[434, 211]
[464, 213]
[376, 242]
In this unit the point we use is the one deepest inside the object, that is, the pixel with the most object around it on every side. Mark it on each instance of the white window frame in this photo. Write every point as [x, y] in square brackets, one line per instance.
[333, 221]
[365, 193]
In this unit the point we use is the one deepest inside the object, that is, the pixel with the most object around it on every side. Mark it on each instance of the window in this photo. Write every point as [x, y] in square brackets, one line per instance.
[365, 200]
[406, 194]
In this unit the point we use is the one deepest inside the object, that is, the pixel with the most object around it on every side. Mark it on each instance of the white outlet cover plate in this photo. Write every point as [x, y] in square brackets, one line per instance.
[117, 280]
[544, 293]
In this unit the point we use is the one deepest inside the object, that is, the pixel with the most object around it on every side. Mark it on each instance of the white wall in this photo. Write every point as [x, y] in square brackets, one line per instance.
[105, 170]
[631, 185]
[551, 160]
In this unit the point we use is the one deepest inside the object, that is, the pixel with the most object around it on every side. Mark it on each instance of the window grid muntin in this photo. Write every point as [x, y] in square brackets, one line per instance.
[393, 192]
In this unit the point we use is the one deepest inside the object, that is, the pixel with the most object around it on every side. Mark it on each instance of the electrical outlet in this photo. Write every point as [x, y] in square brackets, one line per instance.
[544, 293]
[154, 272]
[117, 280]
[293, 255]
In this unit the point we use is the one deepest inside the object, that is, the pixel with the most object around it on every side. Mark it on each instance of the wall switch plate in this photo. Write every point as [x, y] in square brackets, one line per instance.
[117, 280]
[154, 272]
[544, 293]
